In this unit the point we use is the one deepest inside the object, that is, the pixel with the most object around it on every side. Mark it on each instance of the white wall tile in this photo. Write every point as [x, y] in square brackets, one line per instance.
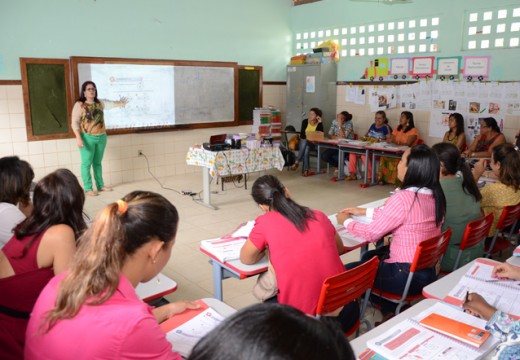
[51, 159]
[6, 149]
[5, 137]
[36, 160]
[3, 91]
[4, 121]
[17, 121]
[64, 159]
[4, 108]
[14, 92]
[18, 134]
[49, 146]
[35, 147]
[21, 149]
[15, 106]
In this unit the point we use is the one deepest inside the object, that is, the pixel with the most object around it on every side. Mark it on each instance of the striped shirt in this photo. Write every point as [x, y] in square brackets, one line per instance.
[409, 215]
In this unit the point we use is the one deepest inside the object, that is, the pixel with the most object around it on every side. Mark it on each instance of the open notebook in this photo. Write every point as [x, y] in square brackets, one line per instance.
[410, 340]
[501, 294]
[227, 248]
[183, 331]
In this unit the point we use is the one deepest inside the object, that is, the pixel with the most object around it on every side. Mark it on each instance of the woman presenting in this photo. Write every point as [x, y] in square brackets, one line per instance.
[88, 125]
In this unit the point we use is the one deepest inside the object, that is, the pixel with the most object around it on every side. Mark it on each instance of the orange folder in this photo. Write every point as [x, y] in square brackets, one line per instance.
[466, 333]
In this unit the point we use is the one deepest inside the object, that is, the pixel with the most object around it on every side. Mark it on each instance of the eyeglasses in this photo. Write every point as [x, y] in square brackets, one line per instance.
[484, 126]
[90, 89]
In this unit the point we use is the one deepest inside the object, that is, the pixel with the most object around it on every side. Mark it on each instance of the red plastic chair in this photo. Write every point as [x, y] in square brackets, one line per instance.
[476, 231]
[428, 254]
[341, 289]
[509, 217]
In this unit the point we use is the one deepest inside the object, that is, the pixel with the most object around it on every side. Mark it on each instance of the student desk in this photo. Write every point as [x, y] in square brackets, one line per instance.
[325, 144]
[355, 147]
[238, 270]
[386, 150]
[222, 308]
[232, 162]
[440, 288]
[342, 146]
[156, 288]
[360, 343]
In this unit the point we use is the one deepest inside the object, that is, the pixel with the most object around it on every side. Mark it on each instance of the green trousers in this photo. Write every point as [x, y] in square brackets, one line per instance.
[91, 156]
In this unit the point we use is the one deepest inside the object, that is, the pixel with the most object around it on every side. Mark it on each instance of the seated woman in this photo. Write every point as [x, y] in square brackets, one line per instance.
[412, 214]
[313, 123]
[455, 135]
[462, 203]
[378, 131]
[490, 136]
[505, 165]
[92, 309]
[42, 246]
[303, 247]
[500, 324]
[273, 331]
[341, 128]
[405, 134]
[16, 177]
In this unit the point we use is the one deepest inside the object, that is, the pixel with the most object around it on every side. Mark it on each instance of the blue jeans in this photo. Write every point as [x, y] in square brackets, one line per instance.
[303, 154]
[391, 277]
[330, 156]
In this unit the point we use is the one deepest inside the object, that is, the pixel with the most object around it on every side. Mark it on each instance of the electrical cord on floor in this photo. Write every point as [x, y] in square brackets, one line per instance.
[192, 194]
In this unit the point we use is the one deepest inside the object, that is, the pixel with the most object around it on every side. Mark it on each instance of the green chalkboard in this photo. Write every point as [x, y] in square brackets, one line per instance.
[249, 92]
[46, 89]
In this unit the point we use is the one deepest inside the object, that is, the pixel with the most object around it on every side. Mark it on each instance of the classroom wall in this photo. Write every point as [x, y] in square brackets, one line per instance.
[249, 32]
[327, 14]
[166, 151]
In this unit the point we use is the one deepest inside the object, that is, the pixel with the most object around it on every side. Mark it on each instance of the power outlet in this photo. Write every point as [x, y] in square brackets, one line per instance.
[139, 152]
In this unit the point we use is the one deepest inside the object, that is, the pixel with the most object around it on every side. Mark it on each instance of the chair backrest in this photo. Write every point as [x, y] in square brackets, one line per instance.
[341, 289]
[356, 136]
[429, 251]
[509, 216]
[476, 231]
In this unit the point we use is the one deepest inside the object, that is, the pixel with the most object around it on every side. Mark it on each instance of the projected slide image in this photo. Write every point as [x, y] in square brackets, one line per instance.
[148, 90]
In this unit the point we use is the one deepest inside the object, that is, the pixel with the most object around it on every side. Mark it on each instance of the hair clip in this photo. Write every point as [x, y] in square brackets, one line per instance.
[122, 206]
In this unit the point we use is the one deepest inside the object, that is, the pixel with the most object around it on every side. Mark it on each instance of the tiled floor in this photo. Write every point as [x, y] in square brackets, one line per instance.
[188, 266]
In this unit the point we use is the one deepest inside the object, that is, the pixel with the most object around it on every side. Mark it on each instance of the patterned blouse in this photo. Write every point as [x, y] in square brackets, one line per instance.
[88, 118]
[507, 329]
[348, 129]
[494, 198]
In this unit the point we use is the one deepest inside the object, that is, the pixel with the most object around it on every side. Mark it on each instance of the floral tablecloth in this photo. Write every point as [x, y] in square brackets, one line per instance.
[237, 161]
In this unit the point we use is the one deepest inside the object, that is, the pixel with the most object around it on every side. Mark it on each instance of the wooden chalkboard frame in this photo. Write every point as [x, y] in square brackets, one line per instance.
[29, 85]
[248, 91]
[76, 60]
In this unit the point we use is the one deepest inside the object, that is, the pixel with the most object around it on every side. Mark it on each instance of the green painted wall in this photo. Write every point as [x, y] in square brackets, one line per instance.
[341, 13]
[250, 32]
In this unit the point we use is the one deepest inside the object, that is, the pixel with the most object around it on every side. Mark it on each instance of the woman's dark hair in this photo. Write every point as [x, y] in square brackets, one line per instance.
[346, 115]
[116, 234]
[16, 177]
[383, 114]
[82, 97]
[423, 168]
[268, 190]
[509, 160]
[459, 120]
[409, 117]
[449, 156]
[274, 332]
[58, 199]
[317, 111]
[491, 123]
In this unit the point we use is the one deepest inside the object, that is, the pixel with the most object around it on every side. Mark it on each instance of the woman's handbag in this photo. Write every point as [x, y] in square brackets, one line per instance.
[266, 286]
